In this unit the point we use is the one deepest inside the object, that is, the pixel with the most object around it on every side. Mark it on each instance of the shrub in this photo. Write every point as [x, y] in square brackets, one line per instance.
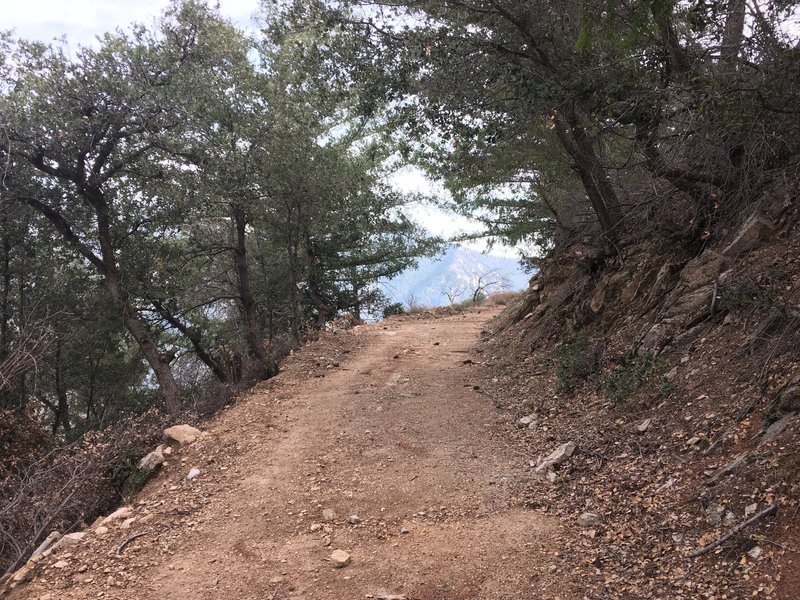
[635, 372]
[393, 309]
[72, 485]
[578, 359]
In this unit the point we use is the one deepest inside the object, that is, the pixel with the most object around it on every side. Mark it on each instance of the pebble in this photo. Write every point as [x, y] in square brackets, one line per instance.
[588, 519]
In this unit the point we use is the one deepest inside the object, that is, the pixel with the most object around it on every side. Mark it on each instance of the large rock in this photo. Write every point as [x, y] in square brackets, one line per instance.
[70, 539]
[119, 514]
[47, 543]
[752, 234]
[182, 434]
[774, 430]
[153, 460]
[22, 575]
[559, 455]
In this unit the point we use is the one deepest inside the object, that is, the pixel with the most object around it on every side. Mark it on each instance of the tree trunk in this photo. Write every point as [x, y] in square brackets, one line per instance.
[170, 391]
[247, 303]
[6, 294]
[112, 279]
[294, 300]
[62, 406]
[195, 338]
[734, 32]
[578, 143]
[314, 291]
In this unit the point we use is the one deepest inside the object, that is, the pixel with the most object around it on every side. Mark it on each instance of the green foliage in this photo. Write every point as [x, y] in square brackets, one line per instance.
[394, 309]
[635, 371]
[125, 476]
[175, 206]
[579, 358]
[754, 295]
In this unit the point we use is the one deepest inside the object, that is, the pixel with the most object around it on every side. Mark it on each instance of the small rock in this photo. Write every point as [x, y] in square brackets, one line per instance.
[644, 425]
[552, 477]
[329, 514]
[102, 530]
[693, 441]
[315, 527]
[714, 513]
[23, 574]
[73, 538]
[755, 552]
[559, 455]
[524, 422]
[193, 472]
[353, 520]
[126, 524]
[182, 434]
[61, 564]
[588, 519]
[750, 509]
[340, 558]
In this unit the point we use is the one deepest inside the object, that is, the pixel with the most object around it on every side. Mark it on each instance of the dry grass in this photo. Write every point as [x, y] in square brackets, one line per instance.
[501, 298]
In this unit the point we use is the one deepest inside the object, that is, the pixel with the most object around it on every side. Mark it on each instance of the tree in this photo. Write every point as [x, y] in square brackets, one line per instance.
[90, 147]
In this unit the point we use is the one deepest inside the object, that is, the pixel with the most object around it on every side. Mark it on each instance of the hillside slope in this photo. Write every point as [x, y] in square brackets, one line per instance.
[677, 374]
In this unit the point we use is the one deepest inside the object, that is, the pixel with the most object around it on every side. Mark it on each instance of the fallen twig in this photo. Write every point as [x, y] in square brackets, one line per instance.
[705, 549]
[128, 540]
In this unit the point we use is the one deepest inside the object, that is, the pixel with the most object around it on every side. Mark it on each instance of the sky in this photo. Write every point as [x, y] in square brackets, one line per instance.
[81, 21]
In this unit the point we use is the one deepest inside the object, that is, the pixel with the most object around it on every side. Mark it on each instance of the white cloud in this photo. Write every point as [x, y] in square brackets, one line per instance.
[81, 21]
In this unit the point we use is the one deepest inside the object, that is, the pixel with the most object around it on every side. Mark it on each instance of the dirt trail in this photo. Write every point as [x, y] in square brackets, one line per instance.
[395, 433]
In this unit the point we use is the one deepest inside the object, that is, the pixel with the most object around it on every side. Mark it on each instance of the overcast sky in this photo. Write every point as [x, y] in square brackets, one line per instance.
[81, 21]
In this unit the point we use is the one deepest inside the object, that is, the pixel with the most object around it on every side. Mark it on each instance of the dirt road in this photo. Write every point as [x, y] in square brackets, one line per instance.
[385, 426]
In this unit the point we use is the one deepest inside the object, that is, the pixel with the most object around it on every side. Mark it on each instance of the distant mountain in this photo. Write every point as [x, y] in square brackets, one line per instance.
[457, 272]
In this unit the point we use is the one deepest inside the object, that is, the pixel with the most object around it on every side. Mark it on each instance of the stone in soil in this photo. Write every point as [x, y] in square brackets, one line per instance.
[340, 558]
[588, 519]
[153, 460]
[329, 514]
[121, 513]
[559, 455]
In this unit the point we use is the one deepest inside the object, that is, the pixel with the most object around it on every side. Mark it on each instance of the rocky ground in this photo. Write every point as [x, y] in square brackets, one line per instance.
[674, 452]
[373, 466]
[409, 460]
